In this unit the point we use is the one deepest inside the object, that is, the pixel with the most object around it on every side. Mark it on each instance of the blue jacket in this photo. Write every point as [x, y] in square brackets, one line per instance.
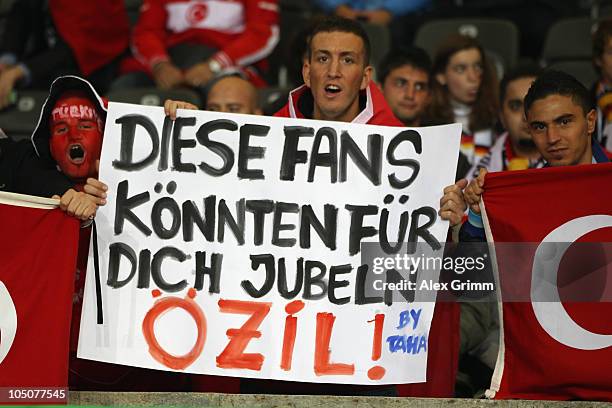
[395, 7]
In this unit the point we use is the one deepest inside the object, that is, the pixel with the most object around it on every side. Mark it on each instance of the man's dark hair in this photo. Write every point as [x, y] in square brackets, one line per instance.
[520, 72]
[559, 83]
[414, 56]
[334, 23]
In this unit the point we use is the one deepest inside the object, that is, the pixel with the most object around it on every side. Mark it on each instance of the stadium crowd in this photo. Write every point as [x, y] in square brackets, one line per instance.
[225, 55]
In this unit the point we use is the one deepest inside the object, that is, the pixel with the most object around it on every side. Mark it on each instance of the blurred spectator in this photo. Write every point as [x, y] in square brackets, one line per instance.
[532, 17]
[45, 39]
[404, 76]
[376, 12]
[232, 94]
[602, 89]
[182, 42]
[514, 149]
[402, 17]
[465, 91]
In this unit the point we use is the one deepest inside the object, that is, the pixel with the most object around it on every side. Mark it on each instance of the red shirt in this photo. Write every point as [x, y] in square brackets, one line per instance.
[243, 31]
[375, 112]
[84, 25]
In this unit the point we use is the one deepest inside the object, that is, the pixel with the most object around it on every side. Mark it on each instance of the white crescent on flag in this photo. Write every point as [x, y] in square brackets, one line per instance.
[8, 321]
[550, 313]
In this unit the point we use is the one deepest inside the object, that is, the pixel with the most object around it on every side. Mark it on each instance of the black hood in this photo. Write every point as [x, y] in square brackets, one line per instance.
[40, 136]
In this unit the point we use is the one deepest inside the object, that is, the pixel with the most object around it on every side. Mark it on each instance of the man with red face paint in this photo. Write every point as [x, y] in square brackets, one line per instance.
[76, 135]
[69, 131]
[69, 135]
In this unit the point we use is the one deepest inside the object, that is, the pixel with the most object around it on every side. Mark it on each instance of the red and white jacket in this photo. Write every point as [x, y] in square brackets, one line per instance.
[375, 111]
[244, 31]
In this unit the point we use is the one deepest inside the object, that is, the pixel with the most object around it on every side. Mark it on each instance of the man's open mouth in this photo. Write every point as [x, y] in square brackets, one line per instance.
[332, 89]
[76, 153]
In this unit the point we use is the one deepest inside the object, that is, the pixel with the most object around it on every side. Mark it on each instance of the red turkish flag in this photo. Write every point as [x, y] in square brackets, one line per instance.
[37, 264]
[560, 349]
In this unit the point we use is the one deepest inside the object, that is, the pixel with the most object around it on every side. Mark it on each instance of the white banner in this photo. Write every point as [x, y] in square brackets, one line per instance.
[231, 245]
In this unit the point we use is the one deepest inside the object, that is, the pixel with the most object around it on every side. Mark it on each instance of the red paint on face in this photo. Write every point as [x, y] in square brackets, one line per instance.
[76, 136]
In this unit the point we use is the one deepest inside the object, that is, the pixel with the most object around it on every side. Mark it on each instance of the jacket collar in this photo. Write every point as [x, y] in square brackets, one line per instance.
[295, 98]
[598, 153]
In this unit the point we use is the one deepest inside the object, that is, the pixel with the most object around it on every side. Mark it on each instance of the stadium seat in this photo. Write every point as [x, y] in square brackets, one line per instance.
[605, 11]
[601, 9]
[5, 6]
[581, 69]
[272, 99]
[380, 40]
[568, 39]
[153, 96]
[497, 36]
[19, 120]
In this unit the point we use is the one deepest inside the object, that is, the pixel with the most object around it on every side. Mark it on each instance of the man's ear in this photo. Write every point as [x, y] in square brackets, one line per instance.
[367, 77]
[441, 78]
[306, 72]
[591, 118]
